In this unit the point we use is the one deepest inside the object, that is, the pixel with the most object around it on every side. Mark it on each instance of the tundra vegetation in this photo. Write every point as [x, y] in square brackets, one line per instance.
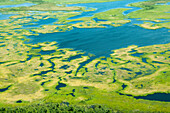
[43, 77]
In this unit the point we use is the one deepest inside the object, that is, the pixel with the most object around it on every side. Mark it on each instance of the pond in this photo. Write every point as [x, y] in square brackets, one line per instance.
[5, 89]
[156, 96]
[60, 85]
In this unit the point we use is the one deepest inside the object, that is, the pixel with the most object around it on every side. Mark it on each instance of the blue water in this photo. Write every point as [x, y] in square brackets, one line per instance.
[48, 21]
[96, 19]
[131, 10]
[160, 4]
[138, 21]
[100, 41]
[101, 7]
[135, 21]
[17, 5]
[137, 54]
[5, 16]
[163, 3]
[35, 12]
[74, 22]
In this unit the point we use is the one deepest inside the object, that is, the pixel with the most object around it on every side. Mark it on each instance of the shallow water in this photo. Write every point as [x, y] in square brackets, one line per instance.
[74, 22]
[97, 20]
[163, 3]
[131, 10]
[48, 21]
[101, 7]
[5, 16]
[17, 5]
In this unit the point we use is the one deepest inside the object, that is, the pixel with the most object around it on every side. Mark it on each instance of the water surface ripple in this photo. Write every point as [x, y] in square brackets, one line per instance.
[100, 41]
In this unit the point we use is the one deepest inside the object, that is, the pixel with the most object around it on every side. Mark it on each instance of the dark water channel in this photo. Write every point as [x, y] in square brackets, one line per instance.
[154, 97]
[5, 89]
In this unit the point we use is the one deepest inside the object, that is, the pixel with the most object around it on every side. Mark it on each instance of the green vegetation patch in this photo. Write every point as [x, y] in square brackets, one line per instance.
[25, 88]
[153, 12]
[113, 15]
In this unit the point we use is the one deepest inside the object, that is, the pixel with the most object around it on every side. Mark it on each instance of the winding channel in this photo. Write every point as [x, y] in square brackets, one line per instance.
[101, 7]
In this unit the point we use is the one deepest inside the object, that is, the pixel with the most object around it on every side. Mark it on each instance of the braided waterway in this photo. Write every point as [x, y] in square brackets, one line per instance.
[100, 41]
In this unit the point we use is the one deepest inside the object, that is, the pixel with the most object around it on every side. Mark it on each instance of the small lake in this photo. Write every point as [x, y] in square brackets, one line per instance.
[5, 16]
[60, 85]
[100, 41]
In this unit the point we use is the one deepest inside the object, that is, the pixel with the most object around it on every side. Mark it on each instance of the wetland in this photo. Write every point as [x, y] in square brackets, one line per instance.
[81, 53]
